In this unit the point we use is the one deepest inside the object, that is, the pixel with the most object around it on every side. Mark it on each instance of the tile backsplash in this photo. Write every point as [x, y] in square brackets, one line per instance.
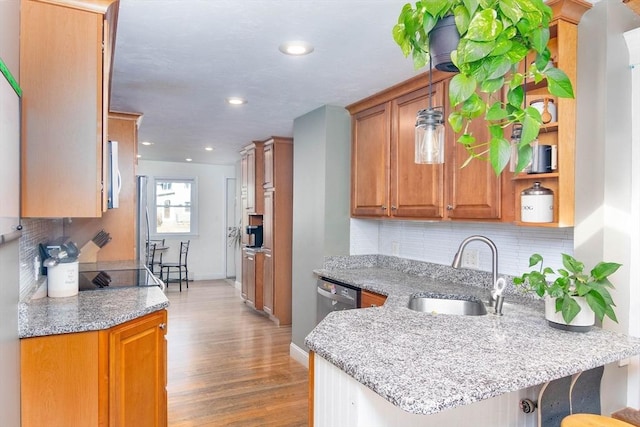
[34, 232]
[437, 242]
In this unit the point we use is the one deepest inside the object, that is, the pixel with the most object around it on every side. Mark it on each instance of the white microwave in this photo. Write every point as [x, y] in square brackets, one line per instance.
[114, 180]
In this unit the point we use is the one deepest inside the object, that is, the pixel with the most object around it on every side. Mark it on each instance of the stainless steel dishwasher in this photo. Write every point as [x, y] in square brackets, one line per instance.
[334, 296]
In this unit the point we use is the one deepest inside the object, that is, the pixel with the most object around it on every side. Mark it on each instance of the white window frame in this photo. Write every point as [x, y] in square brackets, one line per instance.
[194, 208]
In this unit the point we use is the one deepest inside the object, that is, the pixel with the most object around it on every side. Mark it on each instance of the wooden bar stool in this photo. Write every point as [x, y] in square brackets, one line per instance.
[592, 420]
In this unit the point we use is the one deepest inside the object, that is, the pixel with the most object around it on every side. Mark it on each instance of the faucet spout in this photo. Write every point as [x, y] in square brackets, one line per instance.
[457, 259]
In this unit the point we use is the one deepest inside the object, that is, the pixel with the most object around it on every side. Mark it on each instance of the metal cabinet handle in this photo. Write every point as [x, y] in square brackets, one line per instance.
[449, 207]
[393, 208]
[162, 325]
[384, 208]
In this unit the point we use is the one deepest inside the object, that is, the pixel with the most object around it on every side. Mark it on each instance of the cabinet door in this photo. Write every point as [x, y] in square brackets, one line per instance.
[251, 180]
[245, 275]
[267, 284]
[268, 165]
[474, 190]
[59, 380]
[137, 372]
[267, 220]
[244, 174]
[370, 162]
[417, 190]
[249, 276]
[371, 299]
[63, 117]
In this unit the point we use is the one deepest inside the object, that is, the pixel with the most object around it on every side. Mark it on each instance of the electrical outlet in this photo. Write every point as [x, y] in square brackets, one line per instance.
[395, 249]
[471, 258]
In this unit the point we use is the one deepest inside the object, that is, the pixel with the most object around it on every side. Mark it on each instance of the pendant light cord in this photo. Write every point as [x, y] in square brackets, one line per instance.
[430, 83]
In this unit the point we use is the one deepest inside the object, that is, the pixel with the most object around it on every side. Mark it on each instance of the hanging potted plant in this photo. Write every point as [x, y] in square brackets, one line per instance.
[495, 37]
[573, 299]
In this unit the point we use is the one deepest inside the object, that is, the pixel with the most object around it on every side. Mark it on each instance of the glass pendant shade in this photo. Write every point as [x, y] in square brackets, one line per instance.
[516, 132]
[429, 142]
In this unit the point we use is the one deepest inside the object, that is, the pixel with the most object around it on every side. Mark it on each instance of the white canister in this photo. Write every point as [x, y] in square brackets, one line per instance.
[547, 109]
[63, 280]
[536, 204]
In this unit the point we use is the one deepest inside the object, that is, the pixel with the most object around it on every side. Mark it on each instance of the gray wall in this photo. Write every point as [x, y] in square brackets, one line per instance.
[321, 197]
[603, 162]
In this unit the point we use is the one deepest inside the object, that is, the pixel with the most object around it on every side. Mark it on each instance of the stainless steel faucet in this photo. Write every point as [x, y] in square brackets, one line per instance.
[457, 260]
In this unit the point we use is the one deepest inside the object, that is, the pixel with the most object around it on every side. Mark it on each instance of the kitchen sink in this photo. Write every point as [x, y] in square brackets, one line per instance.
[447, 305]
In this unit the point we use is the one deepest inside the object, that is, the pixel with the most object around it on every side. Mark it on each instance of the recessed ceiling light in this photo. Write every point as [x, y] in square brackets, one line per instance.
[138, 155]
[236, 100]
[146, 143]
[189, 160]
[208, 148]
[296, 48]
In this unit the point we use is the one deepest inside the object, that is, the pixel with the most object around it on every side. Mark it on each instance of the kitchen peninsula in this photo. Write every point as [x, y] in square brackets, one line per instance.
[86, 358]
[397, 365]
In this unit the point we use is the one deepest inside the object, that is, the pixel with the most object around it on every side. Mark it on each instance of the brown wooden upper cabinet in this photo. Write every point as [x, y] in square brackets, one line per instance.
[385, 182]
[66, 50]
[251, 192]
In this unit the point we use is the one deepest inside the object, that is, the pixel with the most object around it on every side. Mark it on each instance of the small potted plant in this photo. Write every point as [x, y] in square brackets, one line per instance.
[573, 299]
[494, 38]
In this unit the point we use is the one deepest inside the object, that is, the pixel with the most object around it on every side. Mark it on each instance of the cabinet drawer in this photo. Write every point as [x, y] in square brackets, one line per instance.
[371, 299]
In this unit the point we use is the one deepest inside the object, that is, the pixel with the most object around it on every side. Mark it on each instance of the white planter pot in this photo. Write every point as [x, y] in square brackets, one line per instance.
[583, 321]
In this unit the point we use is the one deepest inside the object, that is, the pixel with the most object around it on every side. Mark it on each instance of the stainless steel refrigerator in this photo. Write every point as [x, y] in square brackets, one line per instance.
[143, 225]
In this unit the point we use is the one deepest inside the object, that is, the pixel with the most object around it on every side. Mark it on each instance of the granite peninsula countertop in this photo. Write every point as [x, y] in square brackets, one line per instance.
[89, 310]
[425, 363]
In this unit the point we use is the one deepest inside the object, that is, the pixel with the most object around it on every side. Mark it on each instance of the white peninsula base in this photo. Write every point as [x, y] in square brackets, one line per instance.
[340, 400]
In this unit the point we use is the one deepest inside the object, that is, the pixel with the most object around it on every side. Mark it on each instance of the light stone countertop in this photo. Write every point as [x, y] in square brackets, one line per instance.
[425, 363]
[89, 310]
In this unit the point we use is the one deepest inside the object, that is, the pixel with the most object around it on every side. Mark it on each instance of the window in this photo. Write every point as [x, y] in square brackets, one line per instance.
[175, 206]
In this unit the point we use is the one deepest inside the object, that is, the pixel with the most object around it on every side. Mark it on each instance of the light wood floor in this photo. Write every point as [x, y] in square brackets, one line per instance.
[228, 365]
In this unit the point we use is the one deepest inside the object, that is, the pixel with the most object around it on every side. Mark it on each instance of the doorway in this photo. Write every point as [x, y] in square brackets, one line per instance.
[231, 224]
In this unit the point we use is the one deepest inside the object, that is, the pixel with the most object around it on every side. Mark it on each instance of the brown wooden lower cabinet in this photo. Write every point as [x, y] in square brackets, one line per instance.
[371, 299]
[252, 277]
[115, 377]
[267, 283]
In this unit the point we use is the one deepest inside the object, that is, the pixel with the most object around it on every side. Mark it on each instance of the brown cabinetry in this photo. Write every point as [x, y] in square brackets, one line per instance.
[560, 133]
[251, 194]
[371, 299]
[115, 377]
[386, 182]
[66, 49]
[277, 229]
[252, 277]
[472, 191]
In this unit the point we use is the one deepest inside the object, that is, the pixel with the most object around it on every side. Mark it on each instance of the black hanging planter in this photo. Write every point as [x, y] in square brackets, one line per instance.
[444, 38]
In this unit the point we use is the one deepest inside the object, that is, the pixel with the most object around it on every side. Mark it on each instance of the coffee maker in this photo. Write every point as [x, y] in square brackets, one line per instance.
[255, 236]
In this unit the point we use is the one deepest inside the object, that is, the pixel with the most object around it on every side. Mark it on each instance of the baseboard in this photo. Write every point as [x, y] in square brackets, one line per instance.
[238, 285]
[299, 355]
[207, 277]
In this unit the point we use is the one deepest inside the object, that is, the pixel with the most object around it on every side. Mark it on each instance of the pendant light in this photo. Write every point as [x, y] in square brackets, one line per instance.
[429, 143]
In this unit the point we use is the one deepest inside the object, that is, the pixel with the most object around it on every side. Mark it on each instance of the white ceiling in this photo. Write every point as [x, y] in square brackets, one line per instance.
[177, 60]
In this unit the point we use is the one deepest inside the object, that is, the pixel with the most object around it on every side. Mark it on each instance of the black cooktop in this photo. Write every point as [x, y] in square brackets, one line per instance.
[108, 279]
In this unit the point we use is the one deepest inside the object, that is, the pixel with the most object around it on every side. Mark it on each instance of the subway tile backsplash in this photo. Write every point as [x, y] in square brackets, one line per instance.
[437, 242]
[34, 232]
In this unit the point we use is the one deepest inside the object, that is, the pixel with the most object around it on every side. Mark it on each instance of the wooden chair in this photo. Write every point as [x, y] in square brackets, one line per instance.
[592, 420]
[180, 267]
